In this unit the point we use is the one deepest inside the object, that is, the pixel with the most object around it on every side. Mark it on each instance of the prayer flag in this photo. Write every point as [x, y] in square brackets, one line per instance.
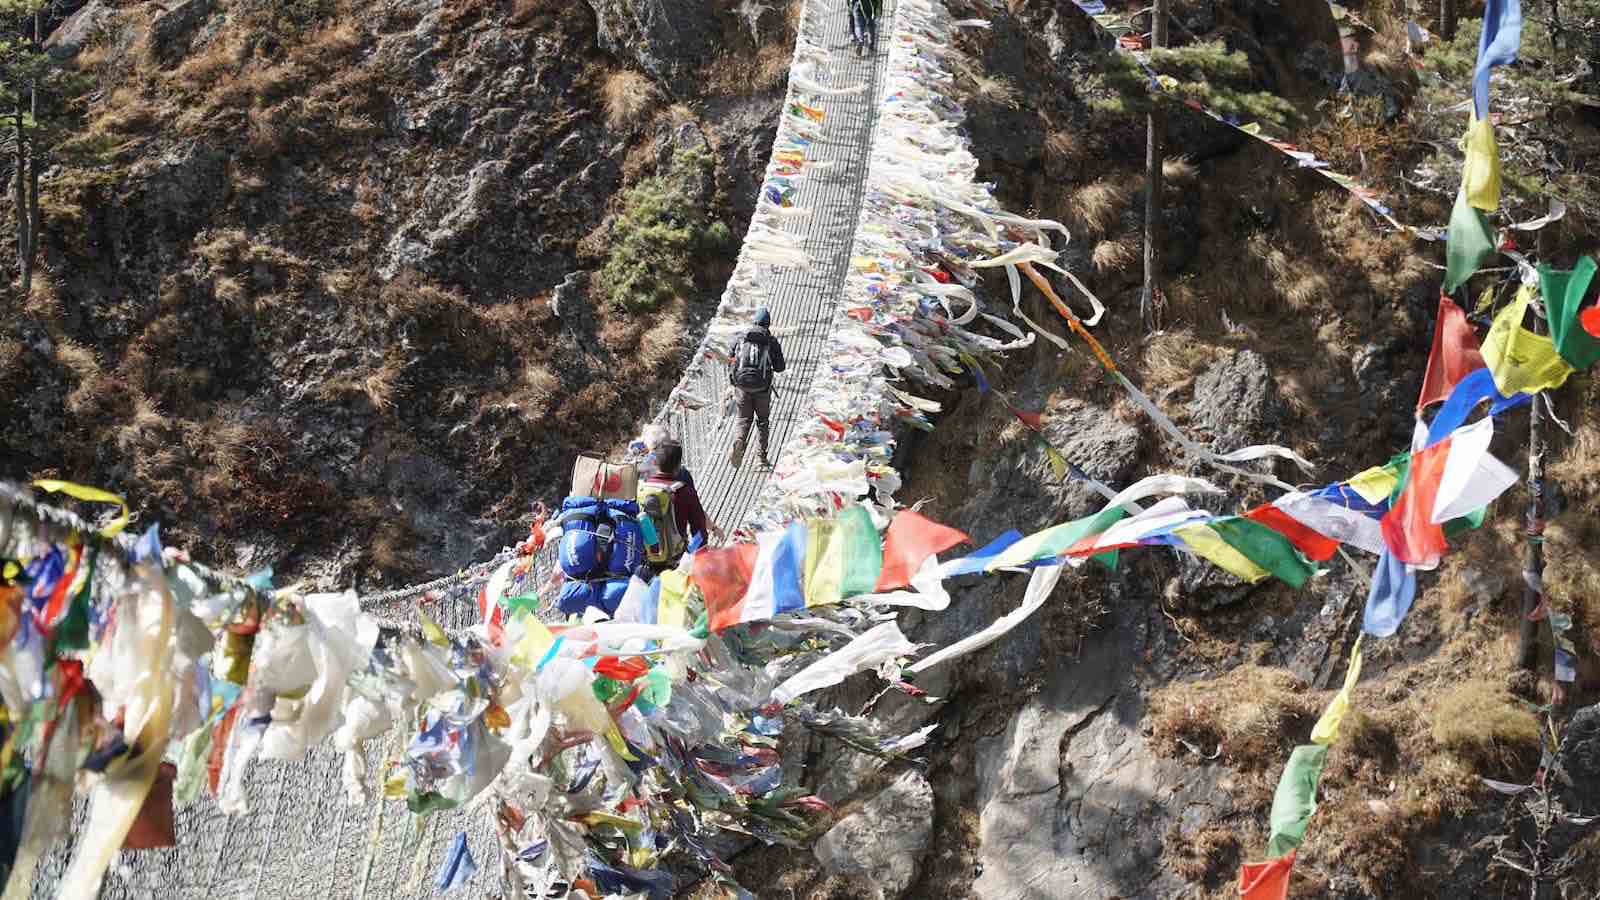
[458, 865]
[1468, 243]
[1313, 543]
[723, 575]
[1521, 361]
[1296, 798]
[1591, 320]
[981, 559]
[1394, 587]
[1447, 480]
[911, 538]
[775, 580]
[1497, 46]
[1563, 293]
[843, 556]
[1472, 390]
[1326, 730]
[1266, 880]
[1333, 520]
[1052, 542]
[1160, 520]
[1454, 354]
[1266, 548]
[1480, 174]
[1207, 544]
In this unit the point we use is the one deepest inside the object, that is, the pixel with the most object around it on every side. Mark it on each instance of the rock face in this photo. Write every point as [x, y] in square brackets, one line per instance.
[70, 37]
[665, 38]
[171, 30]
[881, 844]
[1237, 402]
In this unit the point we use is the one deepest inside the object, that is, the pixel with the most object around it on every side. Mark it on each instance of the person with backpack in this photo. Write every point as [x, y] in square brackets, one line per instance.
[756, 358]
[670, 509]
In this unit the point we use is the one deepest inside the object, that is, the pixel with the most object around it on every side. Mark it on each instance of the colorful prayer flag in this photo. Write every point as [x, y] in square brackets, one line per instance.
[1480, 174]
[1310, 541]
[723, 575]
[1497, 46]
[1052, 542]
[1208, 544]
[1454, 354]
[1326, 730]
[775, 579]
[911, 538]
[1468, 243]
[980, 560]
[1296, 798]
[1563, 293]
[1266, 880]
[1266, 548]
[1521, 361]
[458, 865]
[1394, 587]
[843, 556]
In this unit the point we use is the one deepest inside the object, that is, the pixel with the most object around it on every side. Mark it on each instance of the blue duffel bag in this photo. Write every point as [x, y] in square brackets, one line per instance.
[576, 596]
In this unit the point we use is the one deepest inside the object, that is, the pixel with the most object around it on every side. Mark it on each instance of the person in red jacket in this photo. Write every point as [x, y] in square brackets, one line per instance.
[687, 512]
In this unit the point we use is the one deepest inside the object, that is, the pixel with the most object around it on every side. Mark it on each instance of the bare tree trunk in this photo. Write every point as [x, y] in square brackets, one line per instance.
[1447, 20]
[1150, 301]
[24, 221]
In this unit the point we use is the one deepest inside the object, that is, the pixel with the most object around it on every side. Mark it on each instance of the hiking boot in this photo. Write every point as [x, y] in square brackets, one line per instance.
[766, 463]
[735, 456]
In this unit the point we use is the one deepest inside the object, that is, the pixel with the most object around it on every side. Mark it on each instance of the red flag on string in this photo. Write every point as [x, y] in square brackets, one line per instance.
[723, 577]
[1313, 544]
[1266, 880]
[1454, 354]
[1408, 527]
[1590, 319]
[911, 538]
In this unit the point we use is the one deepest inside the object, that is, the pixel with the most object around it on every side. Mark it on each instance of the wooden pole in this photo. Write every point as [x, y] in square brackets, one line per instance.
[1533, 550]
[1155, 137]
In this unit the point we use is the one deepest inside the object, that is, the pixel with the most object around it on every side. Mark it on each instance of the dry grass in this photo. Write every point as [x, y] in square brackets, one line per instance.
[1211, 856]
[1112, 255]
[1096, 206]
[1174, 357]
[1063, 146]
[1486, 728]
[1253, 715]
[626, 95]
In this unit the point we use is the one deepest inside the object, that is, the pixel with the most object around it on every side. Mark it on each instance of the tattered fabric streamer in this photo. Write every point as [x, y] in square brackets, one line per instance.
[875, 646]
[1040, 584]
[117, 798]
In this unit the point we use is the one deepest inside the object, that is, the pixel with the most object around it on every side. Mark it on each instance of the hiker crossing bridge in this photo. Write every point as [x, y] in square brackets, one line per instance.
[301, 836]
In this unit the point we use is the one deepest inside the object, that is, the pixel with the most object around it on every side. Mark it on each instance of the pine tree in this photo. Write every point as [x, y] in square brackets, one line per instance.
[27, 78]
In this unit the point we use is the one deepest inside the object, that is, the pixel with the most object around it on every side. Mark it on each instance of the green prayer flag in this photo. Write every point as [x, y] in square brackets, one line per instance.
[1469, 243]
[861, 551]
[1296, 798]
[72, 633]
[1463, 524]
[426, 802]
[1266, 548]
[1563, 293]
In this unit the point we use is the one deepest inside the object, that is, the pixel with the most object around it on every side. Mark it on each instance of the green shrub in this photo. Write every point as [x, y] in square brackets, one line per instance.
[656, 235]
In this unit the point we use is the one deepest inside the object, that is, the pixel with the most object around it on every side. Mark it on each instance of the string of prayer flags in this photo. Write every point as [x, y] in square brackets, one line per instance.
[1470, 241]
[1522, 362]
[1563, 293]
[911, 538]
[1445, 481]
[1476, 388]
[1480, 174]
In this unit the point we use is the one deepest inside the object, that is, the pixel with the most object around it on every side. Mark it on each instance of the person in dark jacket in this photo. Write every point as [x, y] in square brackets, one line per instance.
[756, 358]
[864, 25]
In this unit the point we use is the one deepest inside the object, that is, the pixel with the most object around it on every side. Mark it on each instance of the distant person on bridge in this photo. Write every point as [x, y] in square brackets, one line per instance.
[864, 25]
[756, 358]
[672, 506]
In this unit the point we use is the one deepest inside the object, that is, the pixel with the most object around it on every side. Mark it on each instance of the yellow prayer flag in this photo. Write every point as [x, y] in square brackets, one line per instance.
[1327, 727]
[673, 608]
[1374, 485]
[92, 494]
[1520, 361]
[1210, 546]
[1480, 176]
[533, 645]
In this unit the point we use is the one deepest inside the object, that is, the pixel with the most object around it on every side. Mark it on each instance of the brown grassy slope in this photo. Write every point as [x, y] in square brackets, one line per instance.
[225, 332]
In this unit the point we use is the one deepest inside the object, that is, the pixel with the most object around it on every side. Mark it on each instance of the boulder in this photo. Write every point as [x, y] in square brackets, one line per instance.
[1237, 401]
[75, 33]
[882, 843]
[667, 39]
[171, 30]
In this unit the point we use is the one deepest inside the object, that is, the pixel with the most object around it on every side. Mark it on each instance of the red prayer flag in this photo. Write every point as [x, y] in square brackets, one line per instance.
[723, 576]
[911, 538]
[1314, 545]
[1266, 880]
[1407, 526]
[622, 669]
[1454, 354]
[1590, 319]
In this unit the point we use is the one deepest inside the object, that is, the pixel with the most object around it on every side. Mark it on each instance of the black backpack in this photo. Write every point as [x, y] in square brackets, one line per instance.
[752, 367]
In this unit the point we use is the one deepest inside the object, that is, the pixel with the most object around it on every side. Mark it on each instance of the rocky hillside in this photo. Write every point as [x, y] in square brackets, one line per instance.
[1125, 742]
[343, 287]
